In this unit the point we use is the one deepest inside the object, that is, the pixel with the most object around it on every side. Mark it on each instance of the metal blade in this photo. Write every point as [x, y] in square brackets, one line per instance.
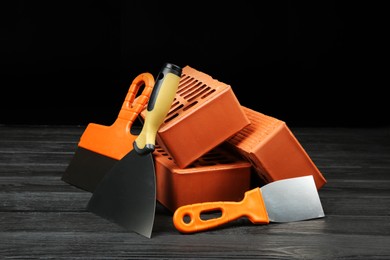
[87, 169]
[127, 194]
[292, 199]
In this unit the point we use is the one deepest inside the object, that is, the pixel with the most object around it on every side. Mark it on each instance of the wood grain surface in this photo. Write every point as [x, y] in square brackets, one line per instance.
[42, 217]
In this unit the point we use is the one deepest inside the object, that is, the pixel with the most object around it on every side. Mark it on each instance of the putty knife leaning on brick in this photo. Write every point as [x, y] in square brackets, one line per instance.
[286, 200]
[127, 193]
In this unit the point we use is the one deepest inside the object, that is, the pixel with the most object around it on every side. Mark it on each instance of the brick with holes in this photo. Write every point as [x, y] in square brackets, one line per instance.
[218, 175]
[204, 113]
[274, 151]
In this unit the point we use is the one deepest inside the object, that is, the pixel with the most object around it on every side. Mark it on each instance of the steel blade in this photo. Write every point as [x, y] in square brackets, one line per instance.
[292, 199]
[127, 194]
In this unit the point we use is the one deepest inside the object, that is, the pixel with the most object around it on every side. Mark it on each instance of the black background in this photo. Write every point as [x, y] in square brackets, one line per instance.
[308, 63]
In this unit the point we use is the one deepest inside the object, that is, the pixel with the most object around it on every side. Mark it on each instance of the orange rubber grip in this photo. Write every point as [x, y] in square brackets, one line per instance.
[252, 207]
[116, 140]
[130, 109]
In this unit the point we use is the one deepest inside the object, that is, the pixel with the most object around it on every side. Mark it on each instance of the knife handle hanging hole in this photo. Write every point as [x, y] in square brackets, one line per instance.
[210, 214]
[186, 218]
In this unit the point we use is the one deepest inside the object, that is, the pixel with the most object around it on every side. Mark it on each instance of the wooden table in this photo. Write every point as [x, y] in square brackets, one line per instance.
[43, 217]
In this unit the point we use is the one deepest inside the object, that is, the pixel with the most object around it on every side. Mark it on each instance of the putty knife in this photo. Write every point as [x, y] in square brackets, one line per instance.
[287, 200]
[100, 146]
[127, 193]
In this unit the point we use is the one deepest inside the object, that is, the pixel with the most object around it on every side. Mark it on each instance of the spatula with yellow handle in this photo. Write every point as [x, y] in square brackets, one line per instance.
[127, 193]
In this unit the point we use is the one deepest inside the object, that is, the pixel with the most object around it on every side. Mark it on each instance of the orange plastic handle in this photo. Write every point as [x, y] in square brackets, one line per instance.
[116, 140]
[130, 109]
[252, 207]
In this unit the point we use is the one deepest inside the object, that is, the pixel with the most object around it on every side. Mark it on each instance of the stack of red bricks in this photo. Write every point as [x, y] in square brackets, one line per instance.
[211, 148]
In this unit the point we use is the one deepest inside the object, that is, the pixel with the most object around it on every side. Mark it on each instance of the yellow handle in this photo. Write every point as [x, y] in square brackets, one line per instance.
[164, 92]
[187, 219]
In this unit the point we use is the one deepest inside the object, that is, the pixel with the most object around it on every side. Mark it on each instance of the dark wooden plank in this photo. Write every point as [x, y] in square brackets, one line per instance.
[337, 186]
[360, 204]
[33, 159]
[21, 184]
[40, 133]
[78, 221]
[51, 194]
[74, 221]
[338, 196]
[102, 245]
[356, 173]
[44, 201]
[21, 147]
[34, 169]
